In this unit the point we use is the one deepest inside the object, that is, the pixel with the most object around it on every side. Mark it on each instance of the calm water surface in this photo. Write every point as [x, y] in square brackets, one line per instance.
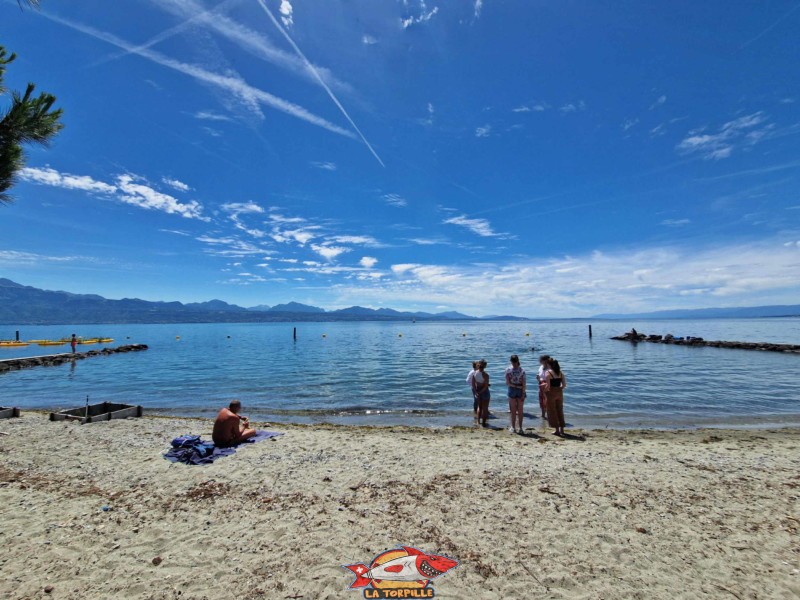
[386, 373]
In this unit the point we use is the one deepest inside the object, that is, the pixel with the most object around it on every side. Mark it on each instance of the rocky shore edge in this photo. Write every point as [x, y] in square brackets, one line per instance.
[53, 360]
[698, 341]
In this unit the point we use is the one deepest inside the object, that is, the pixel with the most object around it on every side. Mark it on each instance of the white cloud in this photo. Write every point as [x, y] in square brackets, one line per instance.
[714, 146]
[176, 184]
[286, 11]
[629, 280]
[395, 200]
[127, 188]
[329, 252]
[207, 115]
[300, 236]
[143, 196]
[478, 6]
[51, 177]
[675, 222]
[481, 227]
[325, 166]
[423, 17]
[521, 109]
[403, 267]
[368, 262]
[484, 131]
[369, 40]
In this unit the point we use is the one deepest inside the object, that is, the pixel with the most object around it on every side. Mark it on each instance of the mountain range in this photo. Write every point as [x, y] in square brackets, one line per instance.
[25, 305]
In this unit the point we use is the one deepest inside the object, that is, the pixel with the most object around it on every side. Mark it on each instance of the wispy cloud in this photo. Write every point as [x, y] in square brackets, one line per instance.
[325, 166]
[369, 40]
[746, 130]
[247, 39]
[659, 102]
[480, 227]
[628, 123]
[208, 115]
[484, 131]
[675, 222]
[319, 79]
[357, 240]
[127, 188]
[176, 184]
[395, 200]
[478, 6]
[571, 107]
[231, 246]
[17, 258]
[242, 208]
[232, 83]
[368, 262]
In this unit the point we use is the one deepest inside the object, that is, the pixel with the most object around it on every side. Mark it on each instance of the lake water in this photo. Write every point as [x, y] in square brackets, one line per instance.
[388, 373]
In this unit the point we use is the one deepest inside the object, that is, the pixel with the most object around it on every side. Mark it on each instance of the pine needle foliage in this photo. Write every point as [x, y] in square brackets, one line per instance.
[29, 119]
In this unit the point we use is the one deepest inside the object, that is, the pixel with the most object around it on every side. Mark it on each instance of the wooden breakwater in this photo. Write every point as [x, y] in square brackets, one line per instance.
[698, 341]
[52, 360]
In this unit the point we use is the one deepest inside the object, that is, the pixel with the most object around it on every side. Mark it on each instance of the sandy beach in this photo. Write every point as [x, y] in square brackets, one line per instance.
[608, 514]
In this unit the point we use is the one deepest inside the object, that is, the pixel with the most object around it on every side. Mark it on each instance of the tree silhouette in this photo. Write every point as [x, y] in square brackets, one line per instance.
[29, 119]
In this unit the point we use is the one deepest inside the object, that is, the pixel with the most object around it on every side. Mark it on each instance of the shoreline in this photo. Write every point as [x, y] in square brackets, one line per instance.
[497, 420]
[602, 514]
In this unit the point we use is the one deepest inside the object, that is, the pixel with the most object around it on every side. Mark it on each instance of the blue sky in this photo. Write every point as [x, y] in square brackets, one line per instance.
[539, 158]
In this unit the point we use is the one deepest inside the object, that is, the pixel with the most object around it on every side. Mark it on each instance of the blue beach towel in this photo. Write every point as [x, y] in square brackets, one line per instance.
[192, 450]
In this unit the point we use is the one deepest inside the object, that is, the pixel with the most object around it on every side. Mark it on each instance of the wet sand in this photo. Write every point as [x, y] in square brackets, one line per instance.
[605, 514]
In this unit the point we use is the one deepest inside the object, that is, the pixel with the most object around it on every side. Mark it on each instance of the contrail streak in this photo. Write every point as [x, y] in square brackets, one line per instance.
[770, 28]
[320, 80]
[168, 33]
[235, 85]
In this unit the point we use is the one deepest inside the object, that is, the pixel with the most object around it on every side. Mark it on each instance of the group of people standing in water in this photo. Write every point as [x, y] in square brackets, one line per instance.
[551, 382]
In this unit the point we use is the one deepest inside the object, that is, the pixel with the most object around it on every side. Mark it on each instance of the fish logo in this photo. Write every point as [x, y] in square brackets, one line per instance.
[404, 572]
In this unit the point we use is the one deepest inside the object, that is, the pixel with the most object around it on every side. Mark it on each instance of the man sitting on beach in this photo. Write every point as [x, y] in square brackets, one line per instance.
[226, 426]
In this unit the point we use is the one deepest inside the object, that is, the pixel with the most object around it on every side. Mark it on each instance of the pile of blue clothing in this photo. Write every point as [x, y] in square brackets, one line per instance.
[192, 450]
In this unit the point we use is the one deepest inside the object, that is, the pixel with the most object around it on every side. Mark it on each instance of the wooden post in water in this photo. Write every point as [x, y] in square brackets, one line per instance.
[294, 334]
[18, 336]
[590, 332]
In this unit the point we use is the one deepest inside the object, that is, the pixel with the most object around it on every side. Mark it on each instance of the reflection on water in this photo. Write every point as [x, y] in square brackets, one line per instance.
[368, 372]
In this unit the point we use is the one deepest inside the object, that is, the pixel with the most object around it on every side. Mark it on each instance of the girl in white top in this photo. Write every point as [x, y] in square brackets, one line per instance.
[471, 383]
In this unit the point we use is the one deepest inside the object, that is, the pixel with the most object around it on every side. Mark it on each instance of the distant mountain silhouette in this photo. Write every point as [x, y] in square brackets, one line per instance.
[296, 307]
[26, 305]
[743, 312]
